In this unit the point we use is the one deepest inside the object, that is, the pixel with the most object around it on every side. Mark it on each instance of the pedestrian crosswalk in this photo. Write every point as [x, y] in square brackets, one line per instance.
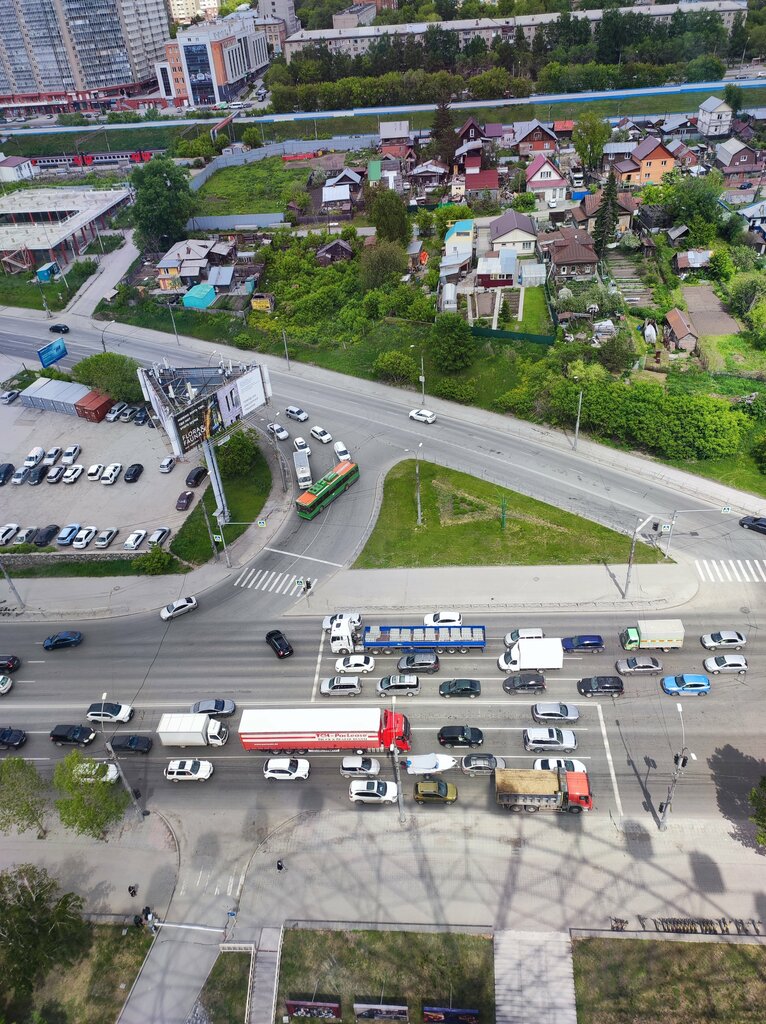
[273, 582]
[731, 570]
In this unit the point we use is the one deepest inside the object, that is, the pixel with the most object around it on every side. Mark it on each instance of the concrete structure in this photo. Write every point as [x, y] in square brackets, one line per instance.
[358, 40]
[545, 179]
[646, 165]
[514, 231]
[355, 15]
[212, 63]
[40, 225]
[17, 168]
[276, 33]
[714, 117]
[497, 269]
[68, 46]
[284, 9]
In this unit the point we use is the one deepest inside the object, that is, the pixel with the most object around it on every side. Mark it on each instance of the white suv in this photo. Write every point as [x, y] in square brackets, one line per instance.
[543, 740]
[373, 792]
[188, 771]
[294, 412]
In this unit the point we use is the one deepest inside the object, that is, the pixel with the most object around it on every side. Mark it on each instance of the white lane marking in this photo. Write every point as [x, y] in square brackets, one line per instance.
[610, 762]
[751, 570]
[287, 583]
[760, 570]
[699, 571]
[265, 582]
[242, 575]
[726, 571]
[276, 581]
[35, 663]
[318, 666]
[259, 575]
[736, 573]
[307, 558]
[718, 571]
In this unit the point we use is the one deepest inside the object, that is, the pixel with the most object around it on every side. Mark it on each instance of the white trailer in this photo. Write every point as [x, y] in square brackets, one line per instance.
[191, 731]
[541, 654]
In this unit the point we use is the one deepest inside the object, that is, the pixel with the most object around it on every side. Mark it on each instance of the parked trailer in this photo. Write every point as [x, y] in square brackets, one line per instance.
[520, 789]
[653, 634]
[301, 730]
[390, 639]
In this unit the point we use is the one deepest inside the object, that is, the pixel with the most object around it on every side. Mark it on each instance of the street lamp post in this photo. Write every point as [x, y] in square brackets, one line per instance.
[417, 483]
[680, 762]
[110, 750]
[577, 422]
[422, 377]
[173, 321]
[103, 332]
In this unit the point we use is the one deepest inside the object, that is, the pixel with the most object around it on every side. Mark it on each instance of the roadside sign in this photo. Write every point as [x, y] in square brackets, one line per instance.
[666, 527]
[217, 538]
[725, 509]
[299, 582]
[261, 523]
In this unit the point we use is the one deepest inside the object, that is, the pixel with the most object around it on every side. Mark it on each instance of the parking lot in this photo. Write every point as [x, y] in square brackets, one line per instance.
[147, 504]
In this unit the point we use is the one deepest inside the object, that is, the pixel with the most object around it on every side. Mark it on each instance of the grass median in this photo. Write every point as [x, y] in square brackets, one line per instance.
[462, 526]
[224, 994]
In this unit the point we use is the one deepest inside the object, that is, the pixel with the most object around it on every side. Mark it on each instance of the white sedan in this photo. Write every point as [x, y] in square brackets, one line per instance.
[180, 607]
[73, 473]
[727, 638]
[286, 768]
[278, 431]
[95, 471]
[84, 537]
[6, 684]
[423, 416]
[355, 663]
[443, 619]
[550, 764]
[321, 434]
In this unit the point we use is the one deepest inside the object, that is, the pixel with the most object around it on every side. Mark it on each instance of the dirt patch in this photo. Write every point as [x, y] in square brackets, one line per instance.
[707, 311]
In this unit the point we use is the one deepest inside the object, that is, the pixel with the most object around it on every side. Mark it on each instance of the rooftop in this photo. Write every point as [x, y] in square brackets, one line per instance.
[66, 211]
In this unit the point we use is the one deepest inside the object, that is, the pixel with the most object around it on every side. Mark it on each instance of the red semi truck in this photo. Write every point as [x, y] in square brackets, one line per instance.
[301, 730]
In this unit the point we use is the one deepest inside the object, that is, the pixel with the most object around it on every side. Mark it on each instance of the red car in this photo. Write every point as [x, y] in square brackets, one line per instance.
[185, 498]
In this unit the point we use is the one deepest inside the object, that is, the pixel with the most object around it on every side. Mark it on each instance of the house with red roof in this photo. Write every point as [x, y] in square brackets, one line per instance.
[545, 179]
[477, 185]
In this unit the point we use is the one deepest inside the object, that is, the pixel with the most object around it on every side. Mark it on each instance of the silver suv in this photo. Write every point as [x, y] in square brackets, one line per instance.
[390, 685]
[340, 686]
[543, 740]
[419, 661]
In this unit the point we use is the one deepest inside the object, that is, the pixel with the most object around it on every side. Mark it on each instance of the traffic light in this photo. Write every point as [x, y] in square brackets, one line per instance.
[308, 585]
[661, 808]
[680, 760]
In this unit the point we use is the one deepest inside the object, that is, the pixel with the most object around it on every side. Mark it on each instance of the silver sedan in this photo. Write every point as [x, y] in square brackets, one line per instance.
[641, 663]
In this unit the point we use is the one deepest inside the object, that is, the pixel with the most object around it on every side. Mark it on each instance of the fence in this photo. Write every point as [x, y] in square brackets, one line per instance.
[487, 332]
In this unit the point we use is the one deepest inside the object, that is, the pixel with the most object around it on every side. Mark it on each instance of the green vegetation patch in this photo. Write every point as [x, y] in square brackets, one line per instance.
[107, 243]
[252, 188]
[245, 497]
[93, 989]
[408, 967]
[224, 994]
[25, 291]
[535, 318]
[462, 526]
[631, 981]
[736, 353]
[117, 567]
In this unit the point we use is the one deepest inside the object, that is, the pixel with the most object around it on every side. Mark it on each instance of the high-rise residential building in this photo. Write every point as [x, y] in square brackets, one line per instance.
[183, 12]
[54, 46]
[284, 9]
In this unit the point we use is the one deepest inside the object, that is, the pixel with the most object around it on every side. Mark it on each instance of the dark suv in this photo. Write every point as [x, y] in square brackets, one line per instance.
[74, 735]
[196, 476]
[7, 470]
[592, 685]
[9, 662]
[279, 643]
[525, 682]
[460, 736]
[127, 744]
[426, 662]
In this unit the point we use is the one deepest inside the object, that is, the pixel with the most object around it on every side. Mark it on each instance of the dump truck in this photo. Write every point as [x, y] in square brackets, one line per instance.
[344, 639]
[191, 731]
[653, 635]
[539, 655]
[520, 789]
[302, 470]
[301, 730]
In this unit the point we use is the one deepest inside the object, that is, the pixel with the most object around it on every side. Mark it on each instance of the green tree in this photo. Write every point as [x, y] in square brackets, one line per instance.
[607, 216]
[425, 222]
[618, 353]
[91, 803]
[23, 795]
[705, 68]
[238, 456]
[396, 367]
[734, 95]
[40, 927]
[163, 204]
[721, 265]
[453, 347]
[524, 202]
[252, 137]
[154, 562]
[443, 138]
[381, 262]
[590, 135]
[389, 215]
[743, 291]
[113, 374]
[445, 215]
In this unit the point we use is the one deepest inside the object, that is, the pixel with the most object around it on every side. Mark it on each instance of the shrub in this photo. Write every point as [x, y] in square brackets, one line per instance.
[396, 367]
[457, 390]
[155, 562]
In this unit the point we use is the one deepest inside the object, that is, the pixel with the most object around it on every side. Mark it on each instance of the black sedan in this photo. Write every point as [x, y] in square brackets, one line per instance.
[756, 523]
[525, 682]
[185, 498]
[58, 329]
[132, 473]
[460, 688]
[46, 535]
[592, 685]
[125, 744]
[12, 738]
[279, 643]
[69, 638]
[460, 736]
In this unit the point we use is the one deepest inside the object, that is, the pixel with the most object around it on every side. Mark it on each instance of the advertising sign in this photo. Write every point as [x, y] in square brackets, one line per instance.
[308, 1009]
[251, 391]
[449, 1015]
[382, 1012]
[51, 353]
[198, 423]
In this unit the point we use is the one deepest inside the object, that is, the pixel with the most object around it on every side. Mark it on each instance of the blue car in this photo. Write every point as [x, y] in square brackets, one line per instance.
[69, 638]
[693, 685]
[68, 534]
[589, 642]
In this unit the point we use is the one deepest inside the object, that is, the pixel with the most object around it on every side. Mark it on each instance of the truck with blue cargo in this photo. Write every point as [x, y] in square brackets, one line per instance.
[344, 639]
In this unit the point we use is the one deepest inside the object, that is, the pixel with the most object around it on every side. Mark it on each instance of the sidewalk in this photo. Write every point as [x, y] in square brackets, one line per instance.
[112, 267]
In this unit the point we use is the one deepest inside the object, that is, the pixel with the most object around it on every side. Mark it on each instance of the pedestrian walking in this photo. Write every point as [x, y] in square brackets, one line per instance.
[138, 921]
[132, 890]
[280, 866]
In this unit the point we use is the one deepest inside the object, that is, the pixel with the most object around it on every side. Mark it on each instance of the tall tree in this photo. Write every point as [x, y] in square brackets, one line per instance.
[443, 137]
[758, 804]
[163, 204]
[381, 262]
[389, 215]
[39, 926]
[452, 345]
[589, 137]
[22, 796]
[111, 373]
[91, 803]
[607, 216]
[734, 96]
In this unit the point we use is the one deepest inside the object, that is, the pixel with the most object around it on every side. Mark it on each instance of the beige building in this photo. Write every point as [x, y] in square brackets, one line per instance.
[355, 15]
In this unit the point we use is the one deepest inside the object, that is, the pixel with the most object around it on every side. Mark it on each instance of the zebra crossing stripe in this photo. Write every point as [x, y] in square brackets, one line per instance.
[242, 575]
[734, 570]
[254, 580]
[276, 581]
[760, 570]
[731, 570]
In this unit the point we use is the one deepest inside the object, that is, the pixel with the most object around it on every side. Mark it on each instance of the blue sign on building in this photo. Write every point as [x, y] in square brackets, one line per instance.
[50, 354]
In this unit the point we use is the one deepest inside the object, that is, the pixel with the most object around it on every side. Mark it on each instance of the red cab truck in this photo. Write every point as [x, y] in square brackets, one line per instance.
[301, 730]
[520, 789]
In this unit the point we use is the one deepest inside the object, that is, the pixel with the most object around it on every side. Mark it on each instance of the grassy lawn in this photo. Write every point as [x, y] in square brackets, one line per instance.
[246, 497]
[119, 567]
[637, 982]
[461, 526]
[92, 990]
[23, 290]
[109, 242]
[224, 995]
[409, 967]
[736, 352]
[252, 188]
[536, 319]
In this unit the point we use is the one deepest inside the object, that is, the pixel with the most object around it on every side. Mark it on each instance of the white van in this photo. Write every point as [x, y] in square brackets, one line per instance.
[34, 458]
[512, 638]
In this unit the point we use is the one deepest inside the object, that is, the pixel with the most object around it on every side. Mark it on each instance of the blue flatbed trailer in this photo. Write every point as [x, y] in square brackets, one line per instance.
[442, 639]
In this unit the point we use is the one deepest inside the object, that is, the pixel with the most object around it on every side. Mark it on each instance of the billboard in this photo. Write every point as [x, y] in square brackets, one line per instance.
[309, 1009]
[389, 1012]
[449, 1015]
[254, 389]
[200, 422]
[51, 353]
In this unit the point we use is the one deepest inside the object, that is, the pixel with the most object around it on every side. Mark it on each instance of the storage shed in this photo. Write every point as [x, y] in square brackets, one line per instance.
[94, 406]
[54, 395]
[199, 297]
[531, 274]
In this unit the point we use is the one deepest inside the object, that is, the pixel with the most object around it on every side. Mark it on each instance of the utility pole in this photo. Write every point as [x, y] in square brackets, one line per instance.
[577, 423]
[417, 483]
[173, 321]
[287, 354]
[680, 762]
[103, 332]
[210, 531]
[10, 583]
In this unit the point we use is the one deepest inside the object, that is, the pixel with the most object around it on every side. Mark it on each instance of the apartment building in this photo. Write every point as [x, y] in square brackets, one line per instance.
[212, 62]
[284, 9]
[359, 39]
[183, 12]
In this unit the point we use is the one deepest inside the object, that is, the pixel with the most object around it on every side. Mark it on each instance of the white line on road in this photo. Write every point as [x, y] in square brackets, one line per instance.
[316, 670]
[279, 577]
[609, 761]
[760, 570]
[307, 558]
[245, 573]
[35, 662]
[268, 580]
[259, 575]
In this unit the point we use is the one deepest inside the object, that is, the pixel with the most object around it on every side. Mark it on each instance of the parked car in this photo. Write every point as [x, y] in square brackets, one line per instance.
[541, 740]
[355, 767]
[159, 536]
[443, 619]
[286, 769]
[26, 536]
[434, 791]
[12, 739]
[196, 476]
[106, 537]
[128, 413]
[184, 500]
[373, 792]
[294, 412]
[321, 435]
[95, 471]
[278, 431]
[727, 638]
[460, 736]
[8, 532]
[593, 685]
[45, 535]
[7, 469]
[9, 397]
[126, 744]
[555, 712]
[133, 473]
[279, 643]
[167, 465]
[21, 476]
[188, 771]
[84, 537]
[52, 456]
[67, 534]
[216, 707]
[525, 682]
[423, 416]
[686, 684]
[586, 642]
[67, 638]
[141, 417]
[73, 473]
[35, 457]
[340, 686]
[115, 412]
[97, 771]
[37, 475]
[342, 453]
[642, 663]
[177, 608]
[480, 764]
[726, 663]
[552, 764]
[135, 540]
[355, 663]
[460, 688]
[70, 455]
[111, 473]
[72, 735]
[109, 711]
[55, 474]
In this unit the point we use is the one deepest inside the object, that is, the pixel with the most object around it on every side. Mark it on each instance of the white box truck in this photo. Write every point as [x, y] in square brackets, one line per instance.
[653, 634]
[302, 470]
[191, 731]
[541, 654]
